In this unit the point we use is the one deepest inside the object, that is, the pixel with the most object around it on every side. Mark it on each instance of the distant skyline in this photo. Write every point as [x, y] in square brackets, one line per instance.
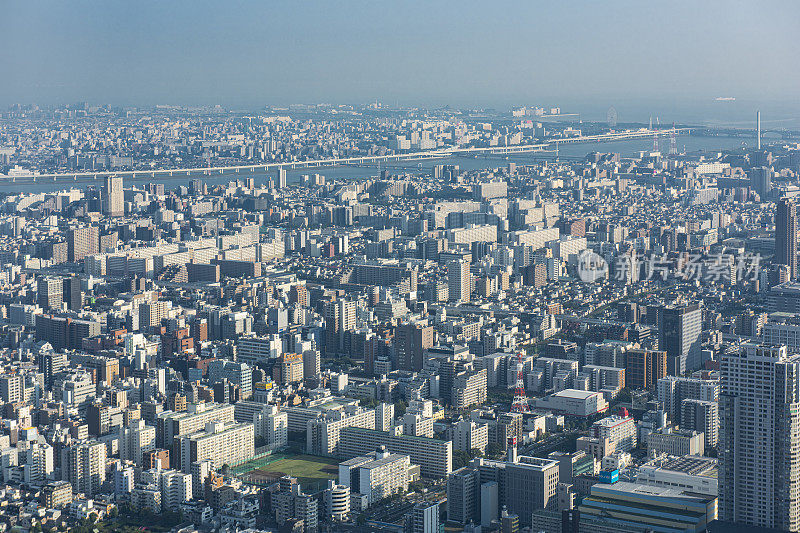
[640, 57]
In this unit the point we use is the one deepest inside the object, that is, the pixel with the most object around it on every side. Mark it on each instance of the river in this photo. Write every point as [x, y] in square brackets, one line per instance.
[688, 143]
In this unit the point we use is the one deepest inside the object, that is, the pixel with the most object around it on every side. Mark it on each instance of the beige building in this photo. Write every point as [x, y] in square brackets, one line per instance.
[468, 435]
[221, 443]
[323, 434]
[86, 467]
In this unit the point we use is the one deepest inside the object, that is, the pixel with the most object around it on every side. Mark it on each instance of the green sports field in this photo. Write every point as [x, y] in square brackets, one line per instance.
[308, 469]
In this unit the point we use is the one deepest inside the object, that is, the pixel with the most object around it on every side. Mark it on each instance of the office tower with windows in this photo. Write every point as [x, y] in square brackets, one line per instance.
[113, 200]
[459, 280]
[424, 518]
[82, 242]
[786, 235]
[50, 293]
[679, 329]
[85, 467]
[411, 341]
[759, 457]
[340, 316]
[72, 293]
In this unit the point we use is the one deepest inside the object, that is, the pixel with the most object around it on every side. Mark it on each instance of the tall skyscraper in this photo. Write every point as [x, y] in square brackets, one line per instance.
[113, 201]
[86, 467]
[761, 181]
[679, 329]
[759, 460]
[411, 341]
[82, 242]
[340, 316]
[758, 130]
[72, 293]
[197, 187]
[786, 235]
[459, 280]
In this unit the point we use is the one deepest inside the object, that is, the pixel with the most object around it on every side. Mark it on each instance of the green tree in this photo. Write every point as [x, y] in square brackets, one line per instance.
[495, 450]
[369, 403]
[460, 459]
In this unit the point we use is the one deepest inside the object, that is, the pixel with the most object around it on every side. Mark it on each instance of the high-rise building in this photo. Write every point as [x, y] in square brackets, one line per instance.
[170, 425]
[701, 416]
[151, 313]
[786, 236]
[434, 456]
[340, 316]
[50, 364]
[459, 280]
[531, 483]
[643, 368]
[238, 373]
[376, 475]
[411, 341]
[219, 442]
[113, 200]
[136, 439]
[86, 467]
[761, 181]
[384, 416]
[620, 430]
[82, 242]
[759, 459]
[424, 518]
[469, 388]
[679, 330]
[176, 488]
[271, 425]
[463, 495]
[468, 435]
[11, 388]
[50, 293]
[72, 294]
[197, 187]
[673, 390]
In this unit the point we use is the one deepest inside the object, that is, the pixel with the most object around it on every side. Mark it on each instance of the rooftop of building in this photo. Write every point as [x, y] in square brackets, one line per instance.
[575, 394]
[688, 464]
[654, 492]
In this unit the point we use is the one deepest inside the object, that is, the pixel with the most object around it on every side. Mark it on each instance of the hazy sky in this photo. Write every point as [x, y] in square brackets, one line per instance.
[491, 53]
